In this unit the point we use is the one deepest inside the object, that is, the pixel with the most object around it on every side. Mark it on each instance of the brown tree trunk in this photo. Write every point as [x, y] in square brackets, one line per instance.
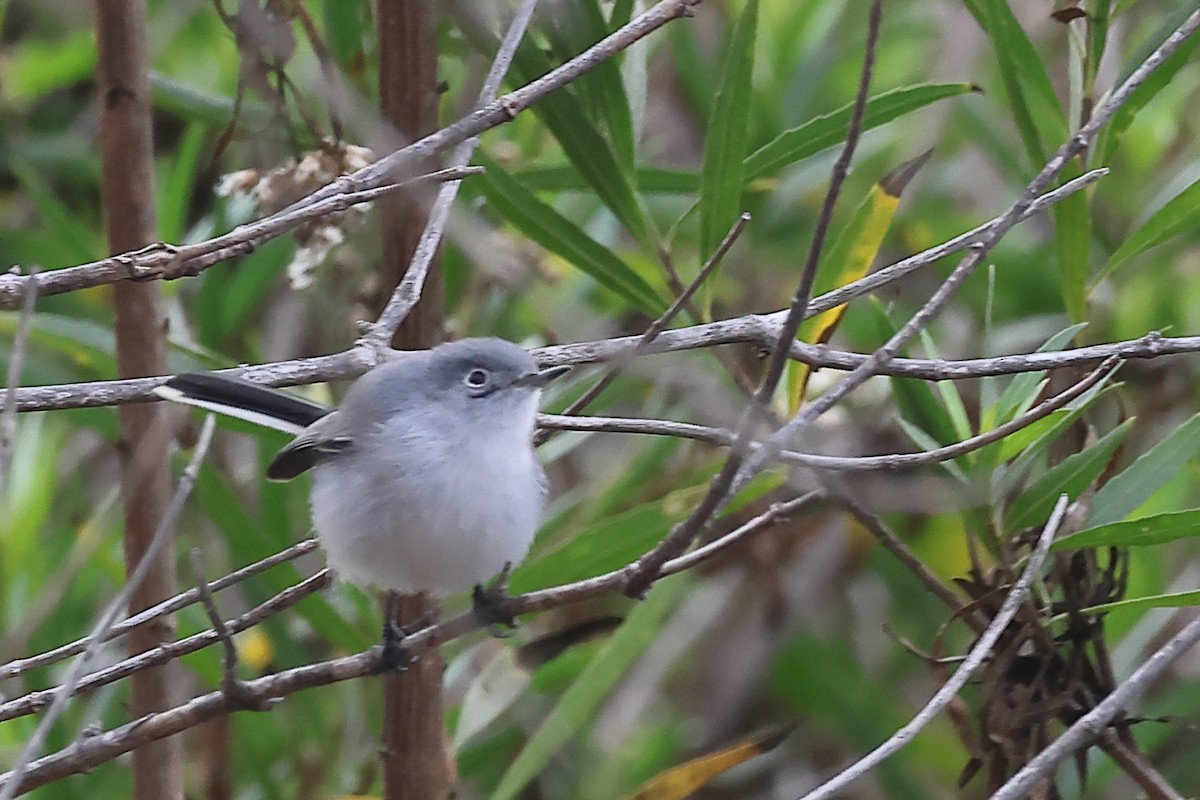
[127, 190]
[416, 763]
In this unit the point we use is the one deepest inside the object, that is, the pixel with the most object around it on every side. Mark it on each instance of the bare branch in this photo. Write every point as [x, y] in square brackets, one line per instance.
[979, 653]
[754, 328]
[35, 701]
[408, 291]
[724, 438]
[161, 261]
[16, 359]
[1092, 724]
[656, 327]
[87, 753]
[170, 606]
[161, 536]
[641, 572]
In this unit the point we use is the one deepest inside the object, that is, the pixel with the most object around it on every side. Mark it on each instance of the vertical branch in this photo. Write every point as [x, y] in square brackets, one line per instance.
[416, 764]
[408, 98]
[127, 192]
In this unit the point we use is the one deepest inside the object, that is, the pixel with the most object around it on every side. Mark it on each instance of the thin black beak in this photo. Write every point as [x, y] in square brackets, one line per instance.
[539, 379]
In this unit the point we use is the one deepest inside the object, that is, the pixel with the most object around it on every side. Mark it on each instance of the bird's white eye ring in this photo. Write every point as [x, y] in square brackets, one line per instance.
[476, 378]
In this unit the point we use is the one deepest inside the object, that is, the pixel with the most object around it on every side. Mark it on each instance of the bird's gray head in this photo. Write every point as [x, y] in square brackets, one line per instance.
[471, 379]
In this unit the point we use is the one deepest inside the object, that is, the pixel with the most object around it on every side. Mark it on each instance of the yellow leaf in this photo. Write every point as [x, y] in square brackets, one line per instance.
[852, 253]
[680, 782]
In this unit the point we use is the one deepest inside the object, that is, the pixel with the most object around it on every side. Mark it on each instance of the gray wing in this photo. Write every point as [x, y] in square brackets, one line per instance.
[325, 438]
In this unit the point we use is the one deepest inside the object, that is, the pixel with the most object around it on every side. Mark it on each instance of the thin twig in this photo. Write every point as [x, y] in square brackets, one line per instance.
[754, 328]
[978, 654]
[898, 461]
[978, 250]
[658, 326]
[1134, 764]
[1087, 728]
[776, 512]
[163, 534]
[234, 689]
[35, 701]
[168, 606]
[87, 753]
[16, 360]
[354, 362]
[160, 261]
[641, 572]
[408, 291]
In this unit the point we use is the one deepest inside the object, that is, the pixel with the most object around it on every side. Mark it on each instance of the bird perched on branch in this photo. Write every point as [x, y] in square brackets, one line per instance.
[424, 478]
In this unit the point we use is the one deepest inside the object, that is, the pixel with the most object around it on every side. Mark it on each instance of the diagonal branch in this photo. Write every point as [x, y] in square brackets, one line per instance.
[641, 572]
[160, 538]
[161, 261]
[974, 660]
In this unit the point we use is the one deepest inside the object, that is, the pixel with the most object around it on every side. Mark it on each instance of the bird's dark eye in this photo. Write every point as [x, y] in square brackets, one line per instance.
[476, 378]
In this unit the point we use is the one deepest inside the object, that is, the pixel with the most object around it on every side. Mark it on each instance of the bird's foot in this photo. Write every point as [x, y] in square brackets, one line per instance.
[488, 605]
[395, 656]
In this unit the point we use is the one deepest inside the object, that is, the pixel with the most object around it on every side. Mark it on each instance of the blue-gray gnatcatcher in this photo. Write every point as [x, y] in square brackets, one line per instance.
[424, 478]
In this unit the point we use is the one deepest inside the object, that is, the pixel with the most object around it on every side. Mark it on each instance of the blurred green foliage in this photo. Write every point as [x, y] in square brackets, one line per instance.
[563, 239]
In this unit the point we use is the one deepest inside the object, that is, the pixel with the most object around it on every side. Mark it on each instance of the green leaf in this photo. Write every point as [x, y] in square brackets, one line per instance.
[828, 130]
[915, 401]
[556, 233]
[1110, 137]
[650, 180]
[1173, 600]
[1035, 107]
[1180, 214]
[175, 199]
[1024, 388]
[345, 29]
[33, 67]
[1133, 486]
[578, 704]
[1072, 476]
[607, 545]
[1156, 529]
[564, 115]
[721, 177]
[579, 24]
[1072, 240]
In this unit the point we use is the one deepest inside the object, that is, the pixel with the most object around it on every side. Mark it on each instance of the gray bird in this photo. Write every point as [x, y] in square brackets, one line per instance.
[424, 478]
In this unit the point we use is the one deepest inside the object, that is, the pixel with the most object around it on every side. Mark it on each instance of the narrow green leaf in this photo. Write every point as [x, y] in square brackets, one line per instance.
[1133, 485]
[556, 233]
[926, 442]
[721, 177]
[915, 401]
[564, 115]
[577, 705]
[649, 180]
[175, 199]
[1023, 389]
[1173, 600]
[828, 130]
[608, 544]
[579, 24]
[1072, 240]
[345, 30]
[1034, 105]
[1180, 214]
[1110, 137]
[71, 236]
[1072, 476]
[1156, 529]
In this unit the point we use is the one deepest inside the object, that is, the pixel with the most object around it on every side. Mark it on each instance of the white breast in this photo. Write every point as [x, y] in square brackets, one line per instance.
[434, 512]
